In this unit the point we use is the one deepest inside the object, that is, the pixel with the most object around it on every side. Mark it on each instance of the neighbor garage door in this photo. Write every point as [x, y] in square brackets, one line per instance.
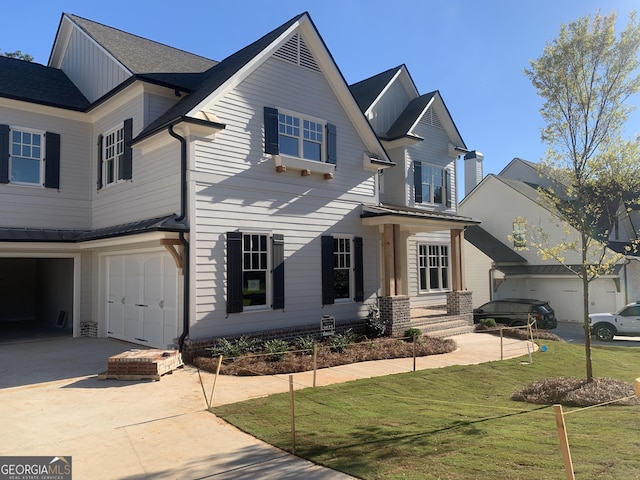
[142, 299]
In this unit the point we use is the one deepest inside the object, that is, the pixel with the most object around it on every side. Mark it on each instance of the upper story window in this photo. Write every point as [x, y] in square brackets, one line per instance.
[115, 155]
[29, 157]
[432, 184]
[300, 136]
[27, 152]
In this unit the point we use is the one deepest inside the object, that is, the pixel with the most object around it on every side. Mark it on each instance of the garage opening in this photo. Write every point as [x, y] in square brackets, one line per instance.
[36, 295]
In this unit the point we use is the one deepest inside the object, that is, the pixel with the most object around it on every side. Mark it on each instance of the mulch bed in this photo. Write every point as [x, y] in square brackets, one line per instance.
[377, 349]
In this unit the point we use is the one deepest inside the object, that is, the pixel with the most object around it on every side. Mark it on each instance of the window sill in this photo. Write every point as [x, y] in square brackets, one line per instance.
[306, 167]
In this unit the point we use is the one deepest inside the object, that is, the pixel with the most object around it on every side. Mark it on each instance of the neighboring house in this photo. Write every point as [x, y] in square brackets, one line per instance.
[162, 198]
[499, 263]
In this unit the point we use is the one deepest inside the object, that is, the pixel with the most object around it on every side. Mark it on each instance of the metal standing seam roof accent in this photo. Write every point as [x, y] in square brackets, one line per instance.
[157, 224]
[387, 210]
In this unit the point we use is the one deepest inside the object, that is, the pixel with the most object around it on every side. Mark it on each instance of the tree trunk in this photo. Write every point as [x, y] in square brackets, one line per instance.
[585, 304]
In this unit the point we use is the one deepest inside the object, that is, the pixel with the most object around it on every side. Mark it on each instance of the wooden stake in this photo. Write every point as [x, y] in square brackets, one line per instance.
[501, 345]
[293, 417]
[315, 363]
[215, 380]
[564, 442]
[414, 353]
[637, 387]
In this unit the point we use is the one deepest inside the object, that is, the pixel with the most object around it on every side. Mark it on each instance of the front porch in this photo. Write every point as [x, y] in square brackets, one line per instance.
[435, 321]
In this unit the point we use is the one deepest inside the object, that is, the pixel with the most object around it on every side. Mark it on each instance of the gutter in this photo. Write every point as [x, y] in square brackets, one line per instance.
[183, 240]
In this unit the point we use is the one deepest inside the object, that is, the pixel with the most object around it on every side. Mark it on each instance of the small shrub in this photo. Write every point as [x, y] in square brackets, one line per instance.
[488, 323]
[306, 344]
[277, 349]
[340, 341]
[375, 326]
[235, 347]
[412, 332]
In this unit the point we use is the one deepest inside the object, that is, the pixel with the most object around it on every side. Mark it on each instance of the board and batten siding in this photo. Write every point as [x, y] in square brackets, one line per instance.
[236, 187]
[154, 189]
[90, 68]
[68, 207]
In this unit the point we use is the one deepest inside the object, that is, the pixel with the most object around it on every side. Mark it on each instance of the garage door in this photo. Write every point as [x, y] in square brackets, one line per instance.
[142, 299]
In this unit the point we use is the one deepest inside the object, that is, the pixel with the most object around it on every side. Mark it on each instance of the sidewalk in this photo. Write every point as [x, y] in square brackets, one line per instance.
[161, 430]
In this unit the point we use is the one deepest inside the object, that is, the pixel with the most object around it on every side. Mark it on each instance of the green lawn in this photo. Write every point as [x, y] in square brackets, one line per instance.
[456, 422]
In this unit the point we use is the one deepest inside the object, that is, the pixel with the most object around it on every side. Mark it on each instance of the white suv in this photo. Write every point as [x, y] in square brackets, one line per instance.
[626, 322]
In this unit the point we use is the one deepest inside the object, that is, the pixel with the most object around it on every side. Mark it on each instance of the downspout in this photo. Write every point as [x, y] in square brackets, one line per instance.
[183, 240]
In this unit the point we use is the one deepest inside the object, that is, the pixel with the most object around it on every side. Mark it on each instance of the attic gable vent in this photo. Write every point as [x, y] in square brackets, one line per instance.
[432, 119]
[296, 51]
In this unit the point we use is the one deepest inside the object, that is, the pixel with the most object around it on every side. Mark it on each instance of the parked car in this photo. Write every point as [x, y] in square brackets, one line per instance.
[624, 323]
[516, 312]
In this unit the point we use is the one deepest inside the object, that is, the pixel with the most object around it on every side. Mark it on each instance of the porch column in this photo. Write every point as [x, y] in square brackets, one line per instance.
[392, 269]
[457, 261]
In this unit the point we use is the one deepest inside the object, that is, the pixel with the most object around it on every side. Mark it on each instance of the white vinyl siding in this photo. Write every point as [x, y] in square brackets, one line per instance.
[66, 208]
[389, 107]
[90, 68]
[155, 187]
[235, 184]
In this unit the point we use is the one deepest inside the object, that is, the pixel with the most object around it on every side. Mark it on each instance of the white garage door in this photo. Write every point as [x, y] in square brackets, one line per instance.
[142, 299]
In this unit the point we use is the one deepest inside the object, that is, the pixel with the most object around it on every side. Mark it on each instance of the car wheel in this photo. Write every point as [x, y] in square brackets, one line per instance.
[604, 333]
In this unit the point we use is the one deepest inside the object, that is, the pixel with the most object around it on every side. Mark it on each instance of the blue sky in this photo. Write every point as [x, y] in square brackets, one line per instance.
[473, 52]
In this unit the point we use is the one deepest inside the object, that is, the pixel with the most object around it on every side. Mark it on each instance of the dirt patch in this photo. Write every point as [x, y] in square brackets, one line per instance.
[292, 362]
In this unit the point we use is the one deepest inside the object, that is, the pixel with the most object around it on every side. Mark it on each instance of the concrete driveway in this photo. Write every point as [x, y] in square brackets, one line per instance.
[54, 405]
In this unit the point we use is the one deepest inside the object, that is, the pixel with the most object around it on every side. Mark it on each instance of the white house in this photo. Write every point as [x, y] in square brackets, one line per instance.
[498, 268]
[162, 198]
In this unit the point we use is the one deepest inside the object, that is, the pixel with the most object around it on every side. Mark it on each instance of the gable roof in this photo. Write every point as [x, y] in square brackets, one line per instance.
[214, 78]
[491, 246]
[366, 91]
[408, 118]
[138, 55]
[35, 83]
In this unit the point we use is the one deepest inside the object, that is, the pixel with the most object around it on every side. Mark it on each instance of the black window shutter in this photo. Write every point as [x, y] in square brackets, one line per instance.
[234, 272]
[332, 144]
[447, 186]
[417, 181]
[52, 160]
[358, 269]
[127, 170]
[4, 153]
[328, 282]
[277, 253]
[100, 160]
[271, 144]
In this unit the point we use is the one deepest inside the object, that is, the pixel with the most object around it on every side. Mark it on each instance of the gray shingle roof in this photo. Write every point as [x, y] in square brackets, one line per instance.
[32, 82]
[141, 55]
[409, 116]
[491, 246]
[214, 78]
[367, 90]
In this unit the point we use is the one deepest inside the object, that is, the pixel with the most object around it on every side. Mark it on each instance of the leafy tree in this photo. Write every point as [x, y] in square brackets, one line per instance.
[586, 76]
[18, 54]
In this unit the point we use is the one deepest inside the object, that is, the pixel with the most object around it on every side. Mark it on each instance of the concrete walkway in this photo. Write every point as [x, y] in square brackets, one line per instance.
[53, 404]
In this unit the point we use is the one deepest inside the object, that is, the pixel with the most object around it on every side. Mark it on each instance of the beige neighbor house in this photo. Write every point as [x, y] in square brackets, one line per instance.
[162, 198]
[496, 268]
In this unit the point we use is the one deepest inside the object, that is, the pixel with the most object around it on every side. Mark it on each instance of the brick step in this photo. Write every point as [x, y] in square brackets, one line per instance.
[442, 327]
[451, 332]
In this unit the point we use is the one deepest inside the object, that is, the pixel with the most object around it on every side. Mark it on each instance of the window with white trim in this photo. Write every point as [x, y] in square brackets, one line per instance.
[432, 184]
[433, 267]
[255, 269]
[301, 137]
[113, 156]
[27, 154]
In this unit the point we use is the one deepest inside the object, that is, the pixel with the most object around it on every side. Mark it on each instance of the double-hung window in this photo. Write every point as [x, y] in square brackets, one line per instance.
[255, 271]
[431, 184]
[342, 269]
[115, 155]
[433, 266]
[29, 157]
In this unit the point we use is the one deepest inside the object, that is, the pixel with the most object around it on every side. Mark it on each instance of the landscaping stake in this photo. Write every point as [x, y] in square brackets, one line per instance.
[501, 345]
[215, 379]
[414, 353]
[564, 442]
[293, 417]
[638, 387]
[315, 363]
